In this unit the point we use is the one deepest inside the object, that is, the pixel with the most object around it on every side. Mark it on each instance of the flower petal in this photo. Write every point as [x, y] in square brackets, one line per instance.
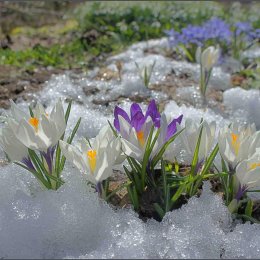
[172, 127]
[153, 112]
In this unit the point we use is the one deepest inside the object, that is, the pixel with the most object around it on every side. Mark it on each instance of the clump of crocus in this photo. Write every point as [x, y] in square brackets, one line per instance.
[235, 142]
[207, 60]
[31, 141]
[246, 178]
[95, 157]
[239, 149]
[145, 137]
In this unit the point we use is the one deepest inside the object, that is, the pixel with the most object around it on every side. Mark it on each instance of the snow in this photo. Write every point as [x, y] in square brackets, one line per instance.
[243, 104]
[74, 223]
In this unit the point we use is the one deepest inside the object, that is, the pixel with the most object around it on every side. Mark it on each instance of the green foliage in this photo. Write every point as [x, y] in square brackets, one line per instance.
[60, 56]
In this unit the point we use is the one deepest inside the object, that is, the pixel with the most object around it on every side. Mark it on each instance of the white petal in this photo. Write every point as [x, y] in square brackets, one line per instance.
[73, 155]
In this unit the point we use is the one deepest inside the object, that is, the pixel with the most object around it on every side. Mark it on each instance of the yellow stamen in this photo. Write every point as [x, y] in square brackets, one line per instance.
[34, 122]
[140, 137]
[92, 154]
[254, 165]
[235, 143]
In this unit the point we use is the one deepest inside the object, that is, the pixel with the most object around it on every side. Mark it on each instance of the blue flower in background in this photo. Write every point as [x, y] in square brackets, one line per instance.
[214, 29]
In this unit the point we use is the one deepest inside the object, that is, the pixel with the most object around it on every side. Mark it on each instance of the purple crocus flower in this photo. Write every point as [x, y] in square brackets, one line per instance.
[137, 117]
[172, 127]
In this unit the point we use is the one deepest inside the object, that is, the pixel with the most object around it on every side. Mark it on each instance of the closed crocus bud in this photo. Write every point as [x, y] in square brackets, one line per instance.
[40, 131]
[189, 138]
[234, 143]
[209, 57]
[95, 158]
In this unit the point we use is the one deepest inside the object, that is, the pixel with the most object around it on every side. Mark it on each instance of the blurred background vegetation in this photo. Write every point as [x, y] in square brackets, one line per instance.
[79, 35]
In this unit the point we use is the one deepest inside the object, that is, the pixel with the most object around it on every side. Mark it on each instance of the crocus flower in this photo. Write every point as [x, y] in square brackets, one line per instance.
[95, 157]
[208, 58]
[135, 129]
[167, 130]
[234, 142]
[40, 131]
[248, 173]
[15, 150]
[189, 138]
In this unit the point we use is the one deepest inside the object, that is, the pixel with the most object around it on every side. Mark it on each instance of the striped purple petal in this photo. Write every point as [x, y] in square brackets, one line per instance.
[120, 112]
[135, 108]
[153, 112]
[172, 127]
[138, 121]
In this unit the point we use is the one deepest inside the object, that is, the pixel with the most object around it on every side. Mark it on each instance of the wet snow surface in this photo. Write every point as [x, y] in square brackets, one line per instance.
[74, 223]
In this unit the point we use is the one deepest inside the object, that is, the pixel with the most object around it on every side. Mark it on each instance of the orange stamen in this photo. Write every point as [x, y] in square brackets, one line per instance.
[235, 143]
[140, 137]
[92, 154]
[34, 122]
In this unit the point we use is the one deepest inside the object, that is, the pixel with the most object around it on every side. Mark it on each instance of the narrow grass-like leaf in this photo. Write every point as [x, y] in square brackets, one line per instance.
[177, 194]
[210, 160]
[31, 112]
[249, 208]
[67, 113]
[112, 128]
[38, 176]
[146, 157]
[196, 154]
[159, 210]
[159, 155]
[69, 141]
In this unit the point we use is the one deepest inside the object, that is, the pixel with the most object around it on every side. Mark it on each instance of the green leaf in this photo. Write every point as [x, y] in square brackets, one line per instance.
[31, 112]
[146, 157]
[37, 162]
[210, 160]
[67, 114]
[249, 208]
[133, 197]
[196, 154]
[112, 128]
[159, 155]
[159, 210]
[69, 141]
[247, 218]
[177, 194]
[38, 176]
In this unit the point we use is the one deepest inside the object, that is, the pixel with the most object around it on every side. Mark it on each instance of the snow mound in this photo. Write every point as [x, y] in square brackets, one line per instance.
[243, 104]
[74, 222]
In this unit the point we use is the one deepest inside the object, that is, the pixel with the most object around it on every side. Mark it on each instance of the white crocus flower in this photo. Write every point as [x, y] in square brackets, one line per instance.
[234, 143]
[134, 143]
[96, 157]
[189, 138]
[248, 171]
[41, 131]
[14, 149]
[209, 57]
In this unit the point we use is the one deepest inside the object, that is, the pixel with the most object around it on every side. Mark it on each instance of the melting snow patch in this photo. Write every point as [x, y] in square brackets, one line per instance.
[73, 222]
[243, 104]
